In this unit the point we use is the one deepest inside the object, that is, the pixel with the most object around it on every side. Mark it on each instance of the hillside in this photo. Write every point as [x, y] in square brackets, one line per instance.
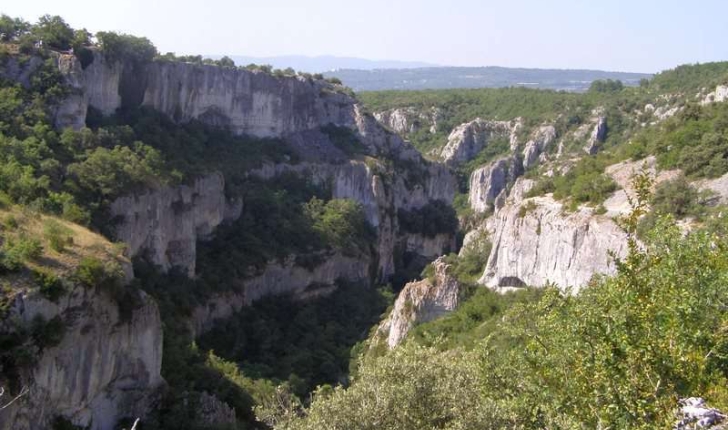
[203, 246]
[435, 78]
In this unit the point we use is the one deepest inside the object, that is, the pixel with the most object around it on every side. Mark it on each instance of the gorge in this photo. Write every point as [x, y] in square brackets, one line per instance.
[199, 245]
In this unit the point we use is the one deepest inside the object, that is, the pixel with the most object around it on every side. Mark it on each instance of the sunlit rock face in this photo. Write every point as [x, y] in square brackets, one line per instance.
[420, 302]
[536, 242]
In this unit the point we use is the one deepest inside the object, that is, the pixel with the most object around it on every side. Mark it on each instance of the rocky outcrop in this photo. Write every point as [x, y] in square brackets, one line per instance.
[166, 223]
[467, 140]
[107, 366]
[489, 181]
[541, 139]
[623, 173]
[430, 247]
[420, 302]
[246, 102]
[718, 96]
[598, 135]
[535, 242]
[718, 187]
[410, 120]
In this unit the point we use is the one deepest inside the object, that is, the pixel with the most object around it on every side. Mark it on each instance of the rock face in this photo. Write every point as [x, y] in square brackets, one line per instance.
[718, 96]
[467, 140]
[281, 278]
[253, 103]
[546, 245]
[622, 173]
[106, 367]
[541, 139]
[490, 181]
[420, 302]
[597, 136]
[409, 120]
[246, 102]
[167, 222]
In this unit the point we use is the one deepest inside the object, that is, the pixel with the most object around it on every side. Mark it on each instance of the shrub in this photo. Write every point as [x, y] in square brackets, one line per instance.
[53, 31]
[49, 284]
[19, 250]
[47, 334]
[344, 139]
[93, 273]
[125, 47]
[524, 209]
[57, 235]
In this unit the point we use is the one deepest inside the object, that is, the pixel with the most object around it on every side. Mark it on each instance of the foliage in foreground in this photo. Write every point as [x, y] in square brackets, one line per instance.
[617, 355]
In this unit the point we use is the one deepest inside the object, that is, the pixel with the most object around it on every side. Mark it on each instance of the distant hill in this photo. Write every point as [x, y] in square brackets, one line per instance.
[476, 77]
[323, 63]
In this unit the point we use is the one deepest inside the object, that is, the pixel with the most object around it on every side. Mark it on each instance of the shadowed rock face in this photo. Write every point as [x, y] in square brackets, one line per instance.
[106, 367]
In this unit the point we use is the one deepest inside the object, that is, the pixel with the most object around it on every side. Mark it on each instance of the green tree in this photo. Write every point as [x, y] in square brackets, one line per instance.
[12, 28]
[125, 47]
[54, 32]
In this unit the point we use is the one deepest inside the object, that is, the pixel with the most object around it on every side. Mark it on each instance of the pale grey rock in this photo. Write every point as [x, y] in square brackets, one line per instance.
[597, 137]
[487, 182]
[467, 140]
[101, 84]
[623, 174]
[72, 110]
[420, 302]
[105, 368]
[247, 102]
[718, 96]
[548, 245]
[717, 186]
[410, 120]
[694, 413]
[664, 112]
[166, 222]
[520, 189]
[540, 140]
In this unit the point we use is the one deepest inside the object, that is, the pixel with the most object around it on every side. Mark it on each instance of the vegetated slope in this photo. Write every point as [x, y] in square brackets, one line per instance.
[618, 354]
[476, 77]
[621, 351]
[221, 206]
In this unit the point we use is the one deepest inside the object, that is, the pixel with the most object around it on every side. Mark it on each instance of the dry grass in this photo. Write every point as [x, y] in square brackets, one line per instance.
[16, 223]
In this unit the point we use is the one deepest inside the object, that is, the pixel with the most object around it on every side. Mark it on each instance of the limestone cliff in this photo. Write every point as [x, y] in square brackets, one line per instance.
[536, 242]
[280, 278]
[166, 223]
[410, 120]
[246, 102]
[468, 139]
[420, 302]
[106, 367]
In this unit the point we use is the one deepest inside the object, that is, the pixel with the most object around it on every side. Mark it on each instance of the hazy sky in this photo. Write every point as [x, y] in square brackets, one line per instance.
[625, 35]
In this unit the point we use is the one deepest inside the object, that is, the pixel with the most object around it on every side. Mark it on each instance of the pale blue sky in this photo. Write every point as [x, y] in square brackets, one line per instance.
[625, 35]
